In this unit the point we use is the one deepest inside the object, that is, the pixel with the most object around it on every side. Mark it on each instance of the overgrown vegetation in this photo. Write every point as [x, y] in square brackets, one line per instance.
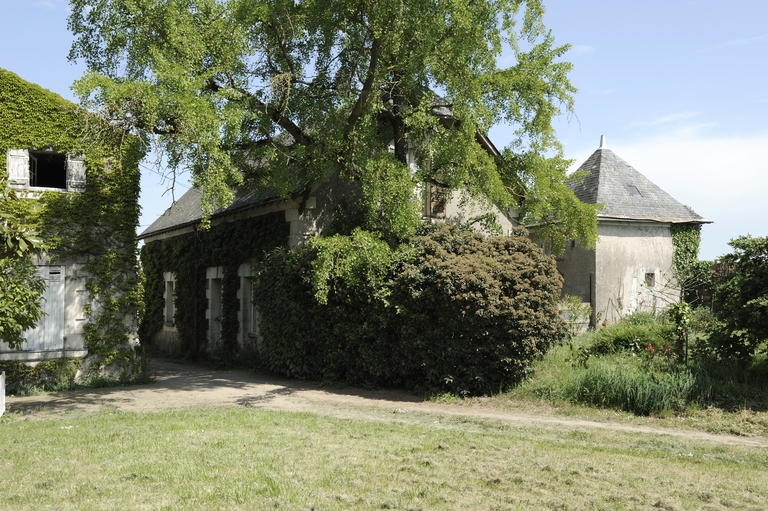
[95, 228]
[741, 300]
[187, 256]
[639, 366]
[686, 358]
[21, 290]
[67, 374]
[451, 311]
[312, 91]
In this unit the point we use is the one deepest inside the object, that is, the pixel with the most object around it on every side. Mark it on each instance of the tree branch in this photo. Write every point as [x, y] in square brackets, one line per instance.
[365, 93]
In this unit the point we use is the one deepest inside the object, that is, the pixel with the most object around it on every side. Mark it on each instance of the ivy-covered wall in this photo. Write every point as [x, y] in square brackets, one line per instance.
[227, 245]
[96, 228]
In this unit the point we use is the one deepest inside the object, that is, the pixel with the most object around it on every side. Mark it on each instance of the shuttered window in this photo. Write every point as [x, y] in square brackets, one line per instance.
[45, 170]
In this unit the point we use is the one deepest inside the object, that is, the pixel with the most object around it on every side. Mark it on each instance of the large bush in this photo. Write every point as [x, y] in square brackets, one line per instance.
[741, 299]
[452, 311]
[473, 311]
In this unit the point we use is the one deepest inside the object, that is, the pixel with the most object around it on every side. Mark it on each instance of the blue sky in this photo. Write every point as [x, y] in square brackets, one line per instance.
[679, 88]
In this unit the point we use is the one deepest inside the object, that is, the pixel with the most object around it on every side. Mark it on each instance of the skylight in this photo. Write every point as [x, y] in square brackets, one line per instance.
[634, 191]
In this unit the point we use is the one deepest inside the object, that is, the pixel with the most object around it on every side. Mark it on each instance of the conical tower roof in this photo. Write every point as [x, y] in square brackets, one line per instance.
[627, 194]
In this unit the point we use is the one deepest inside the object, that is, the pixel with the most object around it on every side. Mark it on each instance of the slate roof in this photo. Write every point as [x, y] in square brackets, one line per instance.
[626, 193]
[188, 211]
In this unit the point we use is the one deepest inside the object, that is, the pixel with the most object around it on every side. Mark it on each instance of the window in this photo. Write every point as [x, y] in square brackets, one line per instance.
[250, 313]
[634, 191]
[435, 199]
[45, 169]
[650, 279]
[170, 305]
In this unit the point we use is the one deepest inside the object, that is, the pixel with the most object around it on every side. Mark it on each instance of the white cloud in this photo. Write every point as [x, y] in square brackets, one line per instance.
[582, 49]
[743, 42]
[666, 119]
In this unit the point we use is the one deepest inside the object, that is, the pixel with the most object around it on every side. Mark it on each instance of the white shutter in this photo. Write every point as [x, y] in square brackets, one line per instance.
[75, 173]
[18, 168]
[49, 333]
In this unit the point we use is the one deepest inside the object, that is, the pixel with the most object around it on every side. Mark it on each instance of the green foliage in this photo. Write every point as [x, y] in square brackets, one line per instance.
[227, 245]
[648, 380]
[62, 374]
[680, 314]
[741, 299]
[344, 338]
[457, 312]
[303, 91]
[692, 275]
[633, 335]
[621, 382]
[21, 290]
[576, 314]
[361, 259]
[21, 293]
[46, 376]
[96, 227]
[474, 311]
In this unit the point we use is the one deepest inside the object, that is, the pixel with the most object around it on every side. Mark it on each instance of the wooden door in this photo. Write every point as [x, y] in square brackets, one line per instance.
[49, 332]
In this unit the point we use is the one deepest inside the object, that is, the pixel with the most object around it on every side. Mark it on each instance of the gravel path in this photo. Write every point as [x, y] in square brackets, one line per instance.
[178, 386]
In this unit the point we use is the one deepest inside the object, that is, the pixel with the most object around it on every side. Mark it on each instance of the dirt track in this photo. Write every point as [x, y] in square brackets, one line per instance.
[179, 386]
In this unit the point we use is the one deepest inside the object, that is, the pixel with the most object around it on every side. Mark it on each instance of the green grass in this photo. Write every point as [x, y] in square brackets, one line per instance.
[242, 458]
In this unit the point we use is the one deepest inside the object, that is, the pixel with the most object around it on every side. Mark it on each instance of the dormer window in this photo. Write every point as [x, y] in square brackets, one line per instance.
[42, 170]
[634, 191]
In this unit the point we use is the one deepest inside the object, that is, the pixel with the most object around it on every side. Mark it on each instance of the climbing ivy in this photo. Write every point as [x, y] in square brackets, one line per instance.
[690, 273]
[95, 228]
[227, 245]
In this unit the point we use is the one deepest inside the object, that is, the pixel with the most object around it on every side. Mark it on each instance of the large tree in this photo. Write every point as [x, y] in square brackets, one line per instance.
[269, 94]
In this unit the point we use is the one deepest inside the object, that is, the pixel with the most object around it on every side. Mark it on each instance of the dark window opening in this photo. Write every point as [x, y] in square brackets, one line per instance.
[634, 191]
[47, 170]
[650, 279]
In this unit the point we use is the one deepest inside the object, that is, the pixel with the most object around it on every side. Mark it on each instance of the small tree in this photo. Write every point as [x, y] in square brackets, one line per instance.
[741, 298]
[21, 290]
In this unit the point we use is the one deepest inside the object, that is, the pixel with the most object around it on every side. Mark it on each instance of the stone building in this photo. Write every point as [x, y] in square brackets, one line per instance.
[79, 183]
[631, 267]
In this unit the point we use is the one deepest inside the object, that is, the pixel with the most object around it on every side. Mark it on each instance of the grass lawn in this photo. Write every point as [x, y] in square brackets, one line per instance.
[244, 458]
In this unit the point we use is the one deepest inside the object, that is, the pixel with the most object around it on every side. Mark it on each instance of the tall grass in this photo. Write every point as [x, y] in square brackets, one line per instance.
[619, 382]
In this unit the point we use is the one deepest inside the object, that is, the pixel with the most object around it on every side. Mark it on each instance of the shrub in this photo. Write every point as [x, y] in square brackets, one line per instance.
[323, 310]
[453, 311]
[633, 334]
[741, 300]
[474, 311]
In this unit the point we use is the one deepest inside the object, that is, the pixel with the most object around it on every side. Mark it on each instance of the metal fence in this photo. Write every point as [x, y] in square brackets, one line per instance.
[2, 393]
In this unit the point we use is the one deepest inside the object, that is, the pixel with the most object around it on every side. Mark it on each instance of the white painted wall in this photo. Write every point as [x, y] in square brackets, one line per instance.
[625, 253]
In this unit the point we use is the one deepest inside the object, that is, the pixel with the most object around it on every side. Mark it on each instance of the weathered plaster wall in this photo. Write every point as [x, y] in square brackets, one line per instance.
[577, 266]
[310, 214]
[627, 253]
[461, 208]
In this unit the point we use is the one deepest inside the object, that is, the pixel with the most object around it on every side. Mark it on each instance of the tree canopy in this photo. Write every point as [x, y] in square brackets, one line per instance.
[270, 94]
